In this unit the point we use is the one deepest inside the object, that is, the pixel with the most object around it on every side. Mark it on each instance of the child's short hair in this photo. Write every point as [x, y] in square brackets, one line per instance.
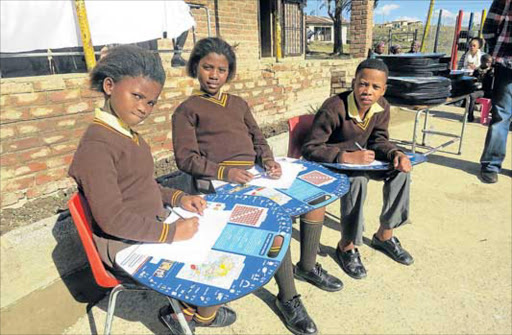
[127, 61]
[485, 58]
[374, 64]
[207, 46]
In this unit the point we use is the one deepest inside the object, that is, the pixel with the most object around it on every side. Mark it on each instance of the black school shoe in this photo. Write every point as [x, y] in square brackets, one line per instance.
[318, 277]
[350, 262]
[393, 249]
[488, 177]
[295, 316]
[164, 315]
[226, 316]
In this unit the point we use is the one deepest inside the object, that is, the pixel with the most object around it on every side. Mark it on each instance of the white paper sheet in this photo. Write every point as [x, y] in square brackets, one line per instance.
[374, 163]
[289, 169]
[193, 251]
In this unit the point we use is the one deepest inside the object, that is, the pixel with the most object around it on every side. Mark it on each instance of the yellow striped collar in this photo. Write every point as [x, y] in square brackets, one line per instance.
[221, 99]
[113, 122]
[353, 112]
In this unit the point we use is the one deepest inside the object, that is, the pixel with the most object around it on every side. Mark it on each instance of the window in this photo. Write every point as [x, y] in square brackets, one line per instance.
[293, 27]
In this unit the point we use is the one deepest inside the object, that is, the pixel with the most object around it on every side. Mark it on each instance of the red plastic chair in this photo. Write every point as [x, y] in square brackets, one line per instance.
[81, 213]
[298, 127]
[486, 108]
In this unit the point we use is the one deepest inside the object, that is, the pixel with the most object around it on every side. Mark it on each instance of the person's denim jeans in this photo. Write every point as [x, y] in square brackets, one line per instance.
[496, 139]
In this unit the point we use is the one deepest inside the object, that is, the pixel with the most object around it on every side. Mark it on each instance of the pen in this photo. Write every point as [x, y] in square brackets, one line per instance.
[359, 146]
[178, 214]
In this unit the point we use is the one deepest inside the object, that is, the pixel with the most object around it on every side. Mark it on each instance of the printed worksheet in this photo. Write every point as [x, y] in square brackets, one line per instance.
[290, 170]
[195, 250]
[220, 270]
[270, 193]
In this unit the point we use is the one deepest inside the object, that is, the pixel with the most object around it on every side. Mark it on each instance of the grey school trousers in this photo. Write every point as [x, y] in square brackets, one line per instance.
[395, 207]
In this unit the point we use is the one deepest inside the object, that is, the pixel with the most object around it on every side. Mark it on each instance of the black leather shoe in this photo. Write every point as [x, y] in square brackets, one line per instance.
[393, 249]
[488, 177]
[295, 316]
[318, 277]
[350, 262]
[173, 324]
[226, 316]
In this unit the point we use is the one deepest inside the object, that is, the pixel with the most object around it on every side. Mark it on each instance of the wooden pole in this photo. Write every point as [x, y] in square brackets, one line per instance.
[427, 27]
[482, 21]
[438, 29]
[90, 59]
[455, 44]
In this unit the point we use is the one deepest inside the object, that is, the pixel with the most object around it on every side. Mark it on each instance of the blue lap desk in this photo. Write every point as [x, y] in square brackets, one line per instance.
[246, 244]
[415, 159]
[314, 187]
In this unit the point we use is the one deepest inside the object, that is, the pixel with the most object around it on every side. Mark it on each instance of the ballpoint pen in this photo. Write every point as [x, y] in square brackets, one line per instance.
[359, 146]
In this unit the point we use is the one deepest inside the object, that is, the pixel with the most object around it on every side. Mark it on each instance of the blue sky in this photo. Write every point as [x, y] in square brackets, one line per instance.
[389, 10]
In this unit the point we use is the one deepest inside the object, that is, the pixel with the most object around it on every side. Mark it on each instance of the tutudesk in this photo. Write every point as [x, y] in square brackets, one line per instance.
[314, 187]
[422, 109]
[237, 265]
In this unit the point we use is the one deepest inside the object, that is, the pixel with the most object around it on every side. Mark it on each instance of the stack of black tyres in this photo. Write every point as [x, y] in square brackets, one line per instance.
[462, 84]
[414, 80]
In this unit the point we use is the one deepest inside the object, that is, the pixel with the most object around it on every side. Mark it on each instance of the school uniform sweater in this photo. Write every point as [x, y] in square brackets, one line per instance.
[213, 135]
[337, 126]
[114, 170]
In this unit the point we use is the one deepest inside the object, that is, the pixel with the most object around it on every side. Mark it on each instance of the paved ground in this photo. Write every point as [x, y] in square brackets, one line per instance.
[461, 282]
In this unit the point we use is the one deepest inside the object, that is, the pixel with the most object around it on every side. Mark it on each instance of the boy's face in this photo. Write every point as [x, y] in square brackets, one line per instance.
[486, 64]
[132, 98]
[369, 85]
[212, 72]
[379, 49]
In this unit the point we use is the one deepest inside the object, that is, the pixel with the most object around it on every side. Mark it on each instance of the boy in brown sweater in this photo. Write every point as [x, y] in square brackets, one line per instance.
[344, 123]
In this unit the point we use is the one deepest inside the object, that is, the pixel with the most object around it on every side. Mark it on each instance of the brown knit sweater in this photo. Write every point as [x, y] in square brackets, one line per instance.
[115, 173]
[334, 132]
[211, 136]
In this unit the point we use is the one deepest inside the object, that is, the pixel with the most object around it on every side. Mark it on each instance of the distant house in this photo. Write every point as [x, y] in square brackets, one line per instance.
[321, 28]
[403, 23]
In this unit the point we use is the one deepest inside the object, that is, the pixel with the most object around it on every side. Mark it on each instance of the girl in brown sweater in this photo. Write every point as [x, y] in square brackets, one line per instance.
[215, 136]
[113, 168]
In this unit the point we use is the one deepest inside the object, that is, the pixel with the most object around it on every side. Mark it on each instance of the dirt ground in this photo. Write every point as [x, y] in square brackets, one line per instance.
[460, 283]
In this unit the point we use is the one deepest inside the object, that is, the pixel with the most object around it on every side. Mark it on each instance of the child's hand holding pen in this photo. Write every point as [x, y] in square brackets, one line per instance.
[239, 176]
[185, 228]
[193, 203]
[361, 156]
[273, 169]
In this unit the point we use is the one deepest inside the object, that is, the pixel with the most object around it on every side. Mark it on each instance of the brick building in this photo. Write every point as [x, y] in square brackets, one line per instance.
[42, 118]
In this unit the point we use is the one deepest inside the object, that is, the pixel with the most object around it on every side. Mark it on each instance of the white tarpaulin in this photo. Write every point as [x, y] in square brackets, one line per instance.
[33, 25]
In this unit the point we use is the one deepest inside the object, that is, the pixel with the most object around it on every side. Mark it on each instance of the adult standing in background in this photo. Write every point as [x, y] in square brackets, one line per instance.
[471, 59]
[415, 47]
[378, 50]
[498, 35]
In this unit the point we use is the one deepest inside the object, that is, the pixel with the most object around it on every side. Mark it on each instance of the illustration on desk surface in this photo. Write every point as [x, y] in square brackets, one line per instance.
[248, 215]
[317, 178]
[221, 270]
[270, 193]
